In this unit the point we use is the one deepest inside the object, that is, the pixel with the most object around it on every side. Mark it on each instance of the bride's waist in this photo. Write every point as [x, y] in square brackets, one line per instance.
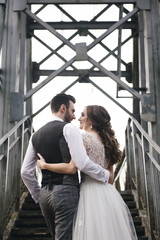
[86, 178]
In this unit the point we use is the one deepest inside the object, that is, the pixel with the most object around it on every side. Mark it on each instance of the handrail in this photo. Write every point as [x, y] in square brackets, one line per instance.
[146, 135]
[142, 156]
[4, 138]
[13, 146]
[143, 173]
[119, 169]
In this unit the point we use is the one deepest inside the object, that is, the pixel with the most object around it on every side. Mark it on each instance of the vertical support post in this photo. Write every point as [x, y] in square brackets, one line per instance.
[136, 167]
[135, 76]
[129, 157]
[149, 183]
[119, 47]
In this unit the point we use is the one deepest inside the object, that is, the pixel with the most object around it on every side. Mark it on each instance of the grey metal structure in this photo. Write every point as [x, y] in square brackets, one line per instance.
[19, 25]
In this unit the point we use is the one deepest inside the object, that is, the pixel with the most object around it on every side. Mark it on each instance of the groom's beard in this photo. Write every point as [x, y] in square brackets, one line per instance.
[67, 117]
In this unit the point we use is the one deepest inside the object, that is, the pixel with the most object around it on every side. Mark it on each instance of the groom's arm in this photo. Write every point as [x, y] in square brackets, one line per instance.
[79, 156]
[28, 172]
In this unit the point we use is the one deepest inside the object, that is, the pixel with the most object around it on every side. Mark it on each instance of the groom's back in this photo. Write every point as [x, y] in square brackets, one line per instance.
[46, 141]
[50, 143]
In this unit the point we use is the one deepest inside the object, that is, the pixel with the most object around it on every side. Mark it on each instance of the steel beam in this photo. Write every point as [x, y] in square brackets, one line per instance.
[81, 1]
[91, 73]
[80, 25]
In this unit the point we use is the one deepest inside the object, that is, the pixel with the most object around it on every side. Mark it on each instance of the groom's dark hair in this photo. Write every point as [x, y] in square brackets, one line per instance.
[60, 99]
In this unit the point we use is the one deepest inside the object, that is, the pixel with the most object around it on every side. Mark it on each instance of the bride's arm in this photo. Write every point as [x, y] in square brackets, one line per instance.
[66, 168]
[110, 168]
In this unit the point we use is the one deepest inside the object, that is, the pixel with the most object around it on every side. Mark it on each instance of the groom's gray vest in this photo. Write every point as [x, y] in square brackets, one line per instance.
[50, 143]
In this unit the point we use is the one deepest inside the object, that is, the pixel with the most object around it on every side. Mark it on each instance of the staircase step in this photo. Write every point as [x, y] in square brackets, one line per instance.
[128, 197]
[131, 204]
[140, 230]
[134, 212]
[143, 238]
[30, 232]
[29, 199]
[30, 206]
[30, 238]
[32, 223]
[30, 214]
[137, 221]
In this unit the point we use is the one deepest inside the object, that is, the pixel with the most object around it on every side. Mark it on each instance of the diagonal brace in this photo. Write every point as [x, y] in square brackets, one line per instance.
[49, 28]
[112, 28]
[49, 78]
[115, 78]
[47, 104]
[106, 94]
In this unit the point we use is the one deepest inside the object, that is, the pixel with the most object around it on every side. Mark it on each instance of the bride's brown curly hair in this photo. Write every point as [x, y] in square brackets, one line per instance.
[100, 121]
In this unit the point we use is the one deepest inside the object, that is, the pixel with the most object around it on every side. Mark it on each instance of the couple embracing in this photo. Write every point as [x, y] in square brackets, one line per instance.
[93, 209]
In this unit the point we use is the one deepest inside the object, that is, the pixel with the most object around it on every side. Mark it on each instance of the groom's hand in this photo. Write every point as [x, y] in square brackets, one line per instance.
[41, 161]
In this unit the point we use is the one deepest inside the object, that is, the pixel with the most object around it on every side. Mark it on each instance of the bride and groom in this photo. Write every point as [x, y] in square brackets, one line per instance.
[95, 210]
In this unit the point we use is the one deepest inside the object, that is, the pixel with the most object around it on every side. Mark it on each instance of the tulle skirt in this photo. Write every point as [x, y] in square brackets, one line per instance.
[102, 214]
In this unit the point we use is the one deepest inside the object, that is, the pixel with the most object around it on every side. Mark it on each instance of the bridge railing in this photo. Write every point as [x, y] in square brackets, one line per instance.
[143, 172]
[12, 149]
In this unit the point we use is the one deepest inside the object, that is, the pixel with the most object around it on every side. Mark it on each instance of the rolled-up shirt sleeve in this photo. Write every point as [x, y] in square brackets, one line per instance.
[79, 156]
[28, 172]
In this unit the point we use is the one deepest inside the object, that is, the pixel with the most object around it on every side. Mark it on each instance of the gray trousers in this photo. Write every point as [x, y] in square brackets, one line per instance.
[58, 207]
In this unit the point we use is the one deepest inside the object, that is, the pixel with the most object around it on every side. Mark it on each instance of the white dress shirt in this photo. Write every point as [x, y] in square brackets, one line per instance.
[78, 154]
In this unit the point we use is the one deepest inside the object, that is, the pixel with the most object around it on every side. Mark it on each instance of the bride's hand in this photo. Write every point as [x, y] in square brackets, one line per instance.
[41, 162]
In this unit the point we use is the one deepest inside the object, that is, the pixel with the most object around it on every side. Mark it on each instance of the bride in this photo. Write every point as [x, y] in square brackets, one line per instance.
[102, 214]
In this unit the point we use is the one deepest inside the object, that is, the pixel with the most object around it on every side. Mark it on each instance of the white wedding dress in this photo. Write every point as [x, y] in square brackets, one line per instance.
[102, 214]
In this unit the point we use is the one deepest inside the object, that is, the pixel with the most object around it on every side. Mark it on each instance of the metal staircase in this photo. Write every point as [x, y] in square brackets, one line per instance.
[128, 197]
[30, 223]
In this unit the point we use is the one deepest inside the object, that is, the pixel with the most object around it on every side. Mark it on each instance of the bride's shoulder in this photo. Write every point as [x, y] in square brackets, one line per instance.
[84, 133]
[86, 136]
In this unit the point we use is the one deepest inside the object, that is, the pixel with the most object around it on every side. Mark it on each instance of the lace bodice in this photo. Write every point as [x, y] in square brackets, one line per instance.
[95, 149]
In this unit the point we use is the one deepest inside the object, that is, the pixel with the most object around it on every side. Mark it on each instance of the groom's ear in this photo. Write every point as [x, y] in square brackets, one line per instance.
[63, 108]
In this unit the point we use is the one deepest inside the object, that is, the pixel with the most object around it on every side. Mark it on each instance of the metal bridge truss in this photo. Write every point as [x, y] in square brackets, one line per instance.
[19, 26]
[125, 75]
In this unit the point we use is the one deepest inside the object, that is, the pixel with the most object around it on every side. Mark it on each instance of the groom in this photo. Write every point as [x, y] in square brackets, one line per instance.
[59, 141]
